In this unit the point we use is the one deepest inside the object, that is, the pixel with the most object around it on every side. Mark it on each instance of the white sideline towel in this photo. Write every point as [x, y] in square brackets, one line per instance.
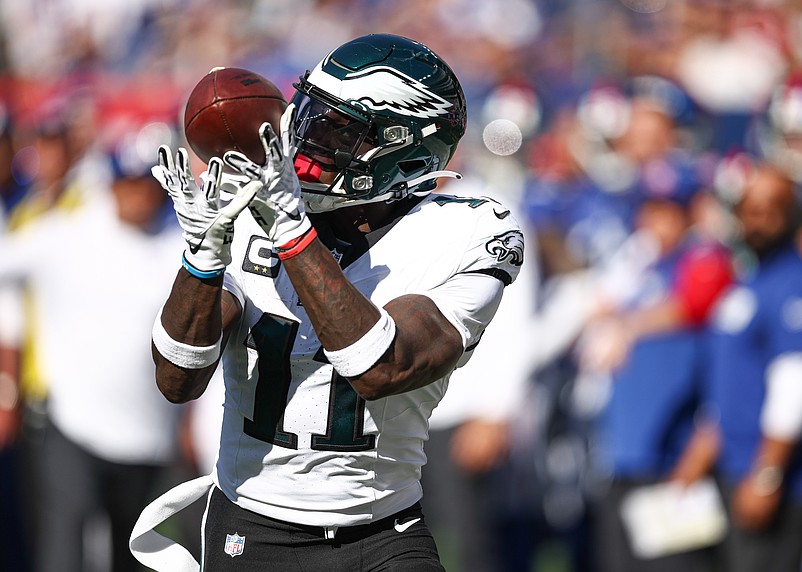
[667, 518]
[155, 550]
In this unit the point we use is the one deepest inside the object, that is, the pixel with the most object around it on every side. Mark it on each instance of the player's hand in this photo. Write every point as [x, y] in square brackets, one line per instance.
[606, 345]
[752, 508]
[208, 225]
[479, 445]
[277, 207]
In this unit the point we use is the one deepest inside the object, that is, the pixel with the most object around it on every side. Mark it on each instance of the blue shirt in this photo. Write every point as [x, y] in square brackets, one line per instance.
[593, 221]
[757, 321]
[649, 417]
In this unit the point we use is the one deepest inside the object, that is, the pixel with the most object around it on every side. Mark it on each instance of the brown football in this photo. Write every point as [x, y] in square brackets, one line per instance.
[225, 110]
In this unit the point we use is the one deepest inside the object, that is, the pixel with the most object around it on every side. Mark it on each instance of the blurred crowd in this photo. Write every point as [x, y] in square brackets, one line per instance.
[651, 148]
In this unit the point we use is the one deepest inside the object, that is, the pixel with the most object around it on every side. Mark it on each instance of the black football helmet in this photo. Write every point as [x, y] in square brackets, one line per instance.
[382, 114]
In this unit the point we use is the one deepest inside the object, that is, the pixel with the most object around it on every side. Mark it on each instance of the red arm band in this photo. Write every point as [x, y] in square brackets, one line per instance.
[296, 245]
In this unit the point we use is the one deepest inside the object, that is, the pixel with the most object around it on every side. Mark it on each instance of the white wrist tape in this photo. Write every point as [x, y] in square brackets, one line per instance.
[360, 356]
[181, 354]
[781, 414]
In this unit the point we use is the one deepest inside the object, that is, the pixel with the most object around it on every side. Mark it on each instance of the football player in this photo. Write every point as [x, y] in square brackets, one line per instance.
[339, 303]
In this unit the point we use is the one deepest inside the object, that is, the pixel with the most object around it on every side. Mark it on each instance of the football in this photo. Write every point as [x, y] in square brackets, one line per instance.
[225, 110]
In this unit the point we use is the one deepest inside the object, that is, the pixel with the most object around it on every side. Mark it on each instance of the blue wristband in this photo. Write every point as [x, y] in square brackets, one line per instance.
[202, 274]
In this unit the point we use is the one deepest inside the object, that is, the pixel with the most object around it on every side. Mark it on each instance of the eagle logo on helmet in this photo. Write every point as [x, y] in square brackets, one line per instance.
[508, 246]
[384, 88]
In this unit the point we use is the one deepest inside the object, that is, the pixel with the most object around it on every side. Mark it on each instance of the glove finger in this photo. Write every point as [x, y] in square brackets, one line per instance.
[272, 148]
[241, 163]
[166, 157]
[243, 198]
[161, 174]
[287, 127]
[285, 124]
[184, 171]
[266, 135]
[167, 180]
[211, 186]
[165, 172]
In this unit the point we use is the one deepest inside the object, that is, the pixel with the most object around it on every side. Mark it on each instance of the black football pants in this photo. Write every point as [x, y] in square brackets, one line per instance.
[256, 543]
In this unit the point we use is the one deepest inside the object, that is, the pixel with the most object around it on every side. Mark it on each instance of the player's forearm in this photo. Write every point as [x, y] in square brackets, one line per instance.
[700, 454]
[425, 346]
[758, 496]
[192, 315]
[193, 311]
[179, 384]
[340, 313]
[774, 453]
[659, 318]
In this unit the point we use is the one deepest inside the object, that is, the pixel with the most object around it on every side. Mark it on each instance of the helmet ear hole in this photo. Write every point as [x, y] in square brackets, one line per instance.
[412, 166]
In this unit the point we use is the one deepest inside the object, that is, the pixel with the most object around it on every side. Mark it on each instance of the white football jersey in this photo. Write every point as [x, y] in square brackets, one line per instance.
[298, 443]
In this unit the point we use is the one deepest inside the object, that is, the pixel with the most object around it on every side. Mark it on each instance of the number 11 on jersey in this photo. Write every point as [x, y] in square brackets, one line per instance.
[273, 337]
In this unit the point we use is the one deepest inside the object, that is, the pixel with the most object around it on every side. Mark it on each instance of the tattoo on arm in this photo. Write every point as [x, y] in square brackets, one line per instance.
[426, 346]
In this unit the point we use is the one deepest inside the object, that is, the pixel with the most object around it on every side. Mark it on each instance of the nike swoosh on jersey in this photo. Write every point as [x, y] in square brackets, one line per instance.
[402, 526]
[501, 215]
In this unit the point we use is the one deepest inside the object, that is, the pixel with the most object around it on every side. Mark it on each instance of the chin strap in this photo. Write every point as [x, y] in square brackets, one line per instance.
[318, 203]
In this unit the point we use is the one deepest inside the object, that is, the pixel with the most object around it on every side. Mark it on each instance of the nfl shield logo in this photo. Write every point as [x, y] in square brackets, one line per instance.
[235, 544]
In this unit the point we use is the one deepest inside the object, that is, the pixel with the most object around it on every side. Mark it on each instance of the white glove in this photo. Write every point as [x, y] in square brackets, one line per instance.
[208, 226]
[277, 206]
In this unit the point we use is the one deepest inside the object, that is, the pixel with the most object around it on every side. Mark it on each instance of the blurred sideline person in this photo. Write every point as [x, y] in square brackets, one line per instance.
[369, 291]
[755, 380]
[652, 346]
[620, 335]
[14, 521]
[47, 167]
[57, 163]
[109, 433]
[42, 172]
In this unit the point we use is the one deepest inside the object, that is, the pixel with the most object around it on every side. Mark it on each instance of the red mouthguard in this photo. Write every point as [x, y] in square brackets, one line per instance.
[307, 169]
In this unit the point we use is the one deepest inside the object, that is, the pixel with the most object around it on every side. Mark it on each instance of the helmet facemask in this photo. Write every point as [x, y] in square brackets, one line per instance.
[339, 148]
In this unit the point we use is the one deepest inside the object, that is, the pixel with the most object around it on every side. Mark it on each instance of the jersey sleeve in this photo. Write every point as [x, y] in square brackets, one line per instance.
[781, 319]
[491, 260]
[496, 247]
[468, 302]
[231, 284]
